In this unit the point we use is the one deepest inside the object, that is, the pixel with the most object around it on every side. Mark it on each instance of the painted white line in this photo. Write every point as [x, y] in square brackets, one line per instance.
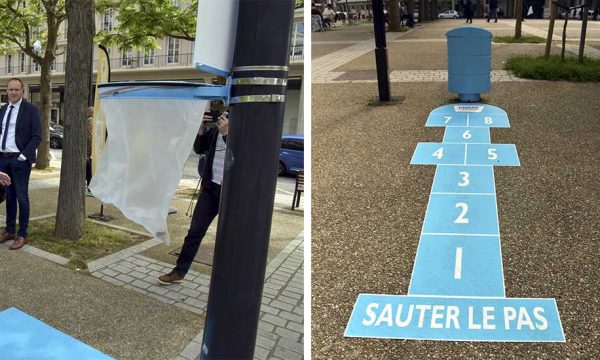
[499, 241]
[462, 143]
[465, 163]
[460, 193]
[468, 118]
[458, 264]
[459, 234]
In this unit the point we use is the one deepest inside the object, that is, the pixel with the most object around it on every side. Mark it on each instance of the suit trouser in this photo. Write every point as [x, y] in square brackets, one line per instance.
[207, 208]
[17, 192]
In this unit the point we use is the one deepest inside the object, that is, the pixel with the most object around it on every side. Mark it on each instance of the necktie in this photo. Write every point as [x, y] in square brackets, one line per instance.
[7, 125]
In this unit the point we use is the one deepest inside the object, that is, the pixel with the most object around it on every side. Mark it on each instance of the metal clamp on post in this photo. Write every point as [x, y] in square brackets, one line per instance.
[247, 83]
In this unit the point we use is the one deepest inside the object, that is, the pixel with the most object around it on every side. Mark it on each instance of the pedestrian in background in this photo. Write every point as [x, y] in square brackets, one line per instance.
[469, 12]
[17, 153]
[211, 141]
[493, 11]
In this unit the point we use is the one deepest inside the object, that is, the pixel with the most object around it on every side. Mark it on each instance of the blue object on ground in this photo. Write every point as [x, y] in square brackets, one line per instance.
[24, 337]
[469, 62]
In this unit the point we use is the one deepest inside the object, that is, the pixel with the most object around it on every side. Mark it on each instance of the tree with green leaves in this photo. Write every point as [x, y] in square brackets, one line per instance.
[24, 27]
[141, 24]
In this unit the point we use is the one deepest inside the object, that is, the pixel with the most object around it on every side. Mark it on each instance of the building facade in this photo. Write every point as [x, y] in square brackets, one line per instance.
[173, 60]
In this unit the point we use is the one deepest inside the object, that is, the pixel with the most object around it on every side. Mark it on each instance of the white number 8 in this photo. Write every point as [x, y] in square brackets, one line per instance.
[488, 120]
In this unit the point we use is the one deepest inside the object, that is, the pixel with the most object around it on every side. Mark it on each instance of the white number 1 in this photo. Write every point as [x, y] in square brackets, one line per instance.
[461, 218]
[465, 180]
[439, 153]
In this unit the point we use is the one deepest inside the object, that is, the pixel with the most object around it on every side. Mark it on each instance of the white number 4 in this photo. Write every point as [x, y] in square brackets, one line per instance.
[492, 154]
[439, 153]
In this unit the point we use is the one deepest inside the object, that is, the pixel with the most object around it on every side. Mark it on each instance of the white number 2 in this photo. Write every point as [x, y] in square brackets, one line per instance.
[461, 218]
[439, 153]
[465, 180]
[447, 119]
[492, 154]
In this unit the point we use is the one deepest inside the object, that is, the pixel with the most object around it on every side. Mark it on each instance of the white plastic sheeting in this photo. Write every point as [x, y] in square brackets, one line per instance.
[149, 141]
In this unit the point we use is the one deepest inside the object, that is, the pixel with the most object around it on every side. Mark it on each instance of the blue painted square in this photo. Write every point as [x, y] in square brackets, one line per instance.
[493, 154]
[467, 135]
[455, 319]
[438, 153]
[464, 179]
[446, 118]
[461, 214]
[25, 337]
[488, 119]
[474, 270]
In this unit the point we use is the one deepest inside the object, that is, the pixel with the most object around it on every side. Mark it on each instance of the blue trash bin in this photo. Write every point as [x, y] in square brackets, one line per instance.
[469, 62]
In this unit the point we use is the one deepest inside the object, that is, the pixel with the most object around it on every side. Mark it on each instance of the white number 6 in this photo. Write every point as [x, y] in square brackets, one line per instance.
[467, 134]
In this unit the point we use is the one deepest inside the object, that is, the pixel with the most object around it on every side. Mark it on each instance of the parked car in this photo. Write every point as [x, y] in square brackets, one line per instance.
[449, 14]
[56, 136]
[291, 155]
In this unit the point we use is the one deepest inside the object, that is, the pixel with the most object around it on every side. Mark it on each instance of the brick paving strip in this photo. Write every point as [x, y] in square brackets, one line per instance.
[280, 331]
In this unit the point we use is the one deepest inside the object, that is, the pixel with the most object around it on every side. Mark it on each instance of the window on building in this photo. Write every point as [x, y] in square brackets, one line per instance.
[53, 66]
[107, 20]
[149, 57]
[173, 54]
[36, 67]
[8, 64]
[297, 40]
[126, 59]
[22, 63]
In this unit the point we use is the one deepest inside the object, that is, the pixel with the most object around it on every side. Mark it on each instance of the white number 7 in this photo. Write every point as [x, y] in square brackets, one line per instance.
[447, 119]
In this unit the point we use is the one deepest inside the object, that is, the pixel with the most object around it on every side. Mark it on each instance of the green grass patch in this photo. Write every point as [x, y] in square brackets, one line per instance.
[97, 241]
[527, 39]
[554, 69]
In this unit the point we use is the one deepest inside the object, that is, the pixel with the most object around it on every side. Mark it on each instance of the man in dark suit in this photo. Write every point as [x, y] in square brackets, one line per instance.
[20, 135]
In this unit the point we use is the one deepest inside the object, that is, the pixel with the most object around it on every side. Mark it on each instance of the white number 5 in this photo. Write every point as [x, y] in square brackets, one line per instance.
[492, 154]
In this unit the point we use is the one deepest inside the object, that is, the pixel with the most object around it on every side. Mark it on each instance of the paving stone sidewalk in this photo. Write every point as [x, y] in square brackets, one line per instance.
[280, 331]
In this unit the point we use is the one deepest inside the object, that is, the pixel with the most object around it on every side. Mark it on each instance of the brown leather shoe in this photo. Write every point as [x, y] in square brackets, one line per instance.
[171, 278]
[6, 236]
[18, 243]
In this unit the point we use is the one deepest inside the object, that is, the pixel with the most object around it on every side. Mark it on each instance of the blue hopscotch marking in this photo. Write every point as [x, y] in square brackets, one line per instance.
[457, 288]
[25, 337]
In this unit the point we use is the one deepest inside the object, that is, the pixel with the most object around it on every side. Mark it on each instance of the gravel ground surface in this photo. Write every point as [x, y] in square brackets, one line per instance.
[369, 204]
[434, 56]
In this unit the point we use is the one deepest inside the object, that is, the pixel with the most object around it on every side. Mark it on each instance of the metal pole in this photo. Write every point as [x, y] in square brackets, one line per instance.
[250, 178]
[381, 59]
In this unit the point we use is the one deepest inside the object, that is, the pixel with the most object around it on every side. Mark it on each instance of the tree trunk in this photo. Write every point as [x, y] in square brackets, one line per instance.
[584, 21]
[70, 215]
[43, 154]
[553, 8]
[394, 13]
[519, 17]
[564, 38]
[422, 10]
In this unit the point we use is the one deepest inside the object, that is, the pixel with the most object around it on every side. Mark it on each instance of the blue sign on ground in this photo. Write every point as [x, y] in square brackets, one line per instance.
[455, 318]
[464, 179]
[457, 289]
[467, 134]
[438, 153]
[461, 214]
[492, 154]
[25, 337]
[468, 115]
[458, 266]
